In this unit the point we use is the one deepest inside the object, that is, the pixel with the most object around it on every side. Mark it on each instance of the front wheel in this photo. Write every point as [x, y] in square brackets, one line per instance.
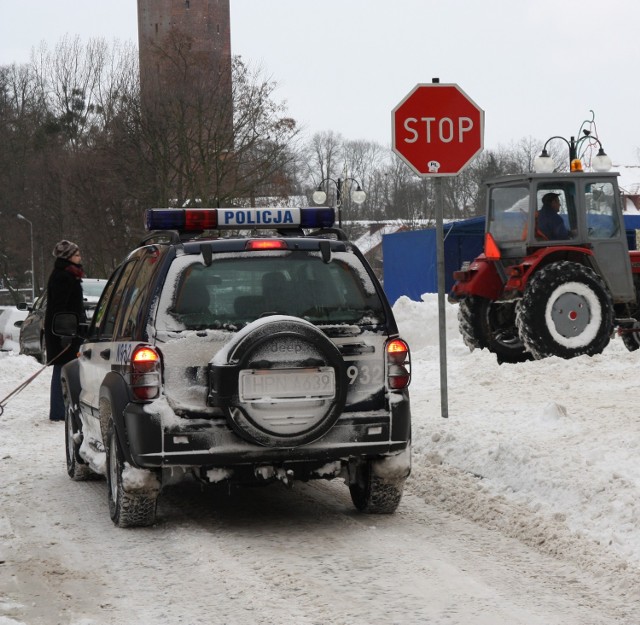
[133, 493]
[491, 325]
[374, 494]
[566, 311]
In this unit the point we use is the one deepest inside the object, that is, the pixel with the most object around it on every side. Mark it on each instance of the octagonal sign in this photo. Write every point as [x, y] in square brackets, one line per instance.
[437, 129]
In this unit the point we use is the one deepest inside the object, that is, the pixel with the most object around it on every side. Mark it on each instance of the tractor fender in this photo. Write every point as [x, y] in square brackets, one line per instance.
[518, 275]
[481, 278]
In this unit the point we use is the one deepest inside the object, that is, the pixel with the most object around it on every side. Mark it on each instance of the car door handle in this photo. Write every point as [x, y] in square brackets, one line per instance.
[105, 354]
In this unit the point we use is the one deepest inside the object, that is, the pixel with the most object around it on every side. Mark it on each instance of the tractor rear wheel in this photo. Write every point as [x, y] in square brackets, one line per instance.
[491, 325]
[566, 311]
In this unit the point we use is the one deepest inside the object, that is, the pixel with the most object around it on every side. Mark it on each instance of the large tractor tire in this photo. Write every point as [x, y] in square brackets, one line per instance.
[491, 325]
[631, 338]
[566, 311]
[631, 332]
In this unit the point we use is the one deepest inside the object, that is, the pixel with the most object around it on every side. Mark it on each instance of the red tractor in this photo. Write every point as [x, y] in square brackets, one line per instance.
[556, 277]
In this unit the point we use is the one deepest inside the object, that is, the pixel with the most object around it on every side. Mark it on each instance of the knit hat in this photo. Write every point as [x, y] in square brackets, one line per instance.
[65, 249]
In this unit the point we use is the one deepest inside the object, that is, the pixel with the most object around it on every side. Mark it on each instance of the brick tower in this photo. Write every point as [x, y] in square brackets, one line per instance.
[201, 30]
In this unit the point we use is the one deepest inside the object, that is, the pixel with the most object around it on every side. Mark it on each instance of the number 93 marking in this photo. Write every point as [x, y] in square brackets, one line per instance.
[365, 375]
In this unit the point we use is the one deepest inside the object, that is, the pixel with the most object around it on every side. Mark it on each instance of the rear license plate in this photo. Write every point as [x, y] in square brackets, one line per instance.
[287, 383]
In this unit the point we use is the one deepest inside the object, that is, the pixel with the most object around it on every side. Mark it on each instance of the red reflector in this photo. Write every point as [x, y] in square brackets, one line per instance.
[399, 377]
[146, 392]
[266, 244]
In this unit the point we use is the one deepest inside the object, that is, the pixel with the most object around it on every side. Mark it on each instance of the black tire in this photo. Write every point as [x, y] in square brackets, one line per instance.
[631, 340]
[469, 316]
[566, 311]
[126, 508]
[373, 494]
[77, 469]
[491, 325]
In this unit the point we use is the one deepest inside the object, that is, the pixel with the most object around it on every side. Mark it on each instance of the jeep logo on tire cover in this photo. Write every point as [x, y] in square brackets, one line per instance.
[282, 347]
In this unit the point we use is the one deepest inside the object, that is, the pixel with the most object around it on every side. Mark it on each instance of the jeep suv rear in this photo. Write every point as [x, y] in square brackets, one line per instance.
[266, 355]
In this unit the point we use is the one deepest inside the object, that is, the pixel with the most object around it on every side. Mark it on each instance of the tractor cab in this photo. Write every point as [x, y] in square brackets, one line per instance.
[535, 218]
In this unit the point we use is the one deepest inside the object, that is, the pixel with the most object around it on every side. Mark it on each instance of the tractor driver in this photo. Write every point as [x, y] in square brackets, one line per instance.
[549, 222]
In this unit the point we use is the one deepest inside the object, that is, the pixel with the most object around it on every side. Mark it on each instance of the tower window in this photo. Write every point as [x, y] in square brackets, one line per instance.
[186, 3]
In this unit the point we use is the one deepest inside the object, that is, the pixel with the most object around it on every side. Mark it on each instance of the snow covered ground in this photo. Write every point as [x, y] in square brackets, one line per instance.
[561, 437]
[543, 452]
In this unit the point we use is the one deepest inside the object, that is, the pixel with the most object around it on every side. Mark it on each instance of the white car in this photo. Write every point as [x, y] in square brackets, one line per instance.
[91, 291]
[9, 332]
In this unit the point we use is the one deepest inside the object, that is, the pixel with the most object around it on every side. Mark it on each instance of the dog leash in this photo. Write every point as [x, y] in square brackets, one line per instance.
[23, 385]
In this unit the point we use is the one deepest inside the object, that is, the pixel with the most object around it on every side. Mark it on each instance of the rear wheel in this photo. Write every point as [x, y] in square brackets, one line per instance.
[491, 325]
[566, 311]
[631, 339]
[128, 508]
[374, 494]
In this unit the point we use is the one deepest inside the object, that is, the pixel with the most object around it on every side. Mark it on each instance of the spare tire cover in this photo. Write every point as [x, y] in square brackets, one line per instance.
[291, 385]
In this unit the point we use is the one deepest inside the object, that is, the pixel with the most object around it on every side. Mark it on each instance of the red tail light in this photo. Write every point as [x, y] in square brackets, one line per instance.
[145, 372]
[398, 364]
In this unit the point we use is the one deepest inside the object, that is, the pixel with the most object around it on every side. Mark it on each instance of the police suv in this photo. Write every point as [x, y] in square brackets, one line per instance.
[269, 354]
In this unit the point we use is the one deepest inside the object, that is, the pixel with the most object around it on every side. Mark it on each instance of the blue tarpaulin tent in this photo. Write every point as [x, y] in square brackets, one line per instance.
[410, 257]
[410, 264]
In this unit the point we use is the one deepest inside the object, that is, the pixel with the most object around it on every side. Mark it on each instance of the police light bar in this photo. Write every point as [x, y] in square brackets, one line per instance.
[198, 219]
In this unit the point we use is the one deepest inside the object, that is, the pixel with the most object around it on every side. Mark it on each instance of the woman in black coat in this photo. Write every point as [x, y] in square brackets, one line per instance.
[64, 294]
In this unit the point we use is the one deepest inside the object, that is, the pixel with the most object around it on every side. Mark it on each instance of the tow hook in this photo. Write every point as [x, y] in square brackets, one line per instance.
[270, 473]
[286, 477]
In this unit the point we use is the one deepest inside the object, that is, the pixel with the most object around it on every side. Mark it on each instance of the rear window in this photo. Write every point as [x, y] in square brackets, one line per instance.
[235, 290]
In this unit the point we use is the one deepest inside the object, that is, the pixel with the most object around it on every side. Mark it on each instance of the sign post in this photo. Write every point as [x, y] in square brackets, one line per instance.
[437, 131]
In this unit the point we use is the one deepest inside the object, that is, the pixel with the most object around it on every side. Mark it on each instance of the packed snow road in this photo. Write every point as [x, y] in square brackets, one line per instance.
[262, 555]
[522, 508]
[265, 555]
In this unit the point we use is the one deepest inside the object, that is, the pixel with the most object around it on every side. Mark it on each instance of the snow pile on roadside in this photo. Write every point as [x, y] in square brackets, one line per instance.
[558, 438]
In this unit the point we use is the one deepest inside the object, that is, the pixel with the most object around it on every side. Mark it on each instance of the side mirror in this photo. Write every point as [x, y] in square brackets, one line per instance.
[65, 325]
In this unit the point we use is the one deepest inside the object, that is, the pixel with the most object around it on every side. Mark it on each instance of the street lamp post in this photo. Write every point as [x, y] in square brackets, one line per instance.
[544, 164]
[33, 273]
[320, 196]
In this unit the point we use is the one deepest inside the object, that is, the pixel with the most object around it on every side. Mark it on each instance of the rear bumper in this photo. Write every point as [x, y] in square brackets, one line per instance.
[207, 443]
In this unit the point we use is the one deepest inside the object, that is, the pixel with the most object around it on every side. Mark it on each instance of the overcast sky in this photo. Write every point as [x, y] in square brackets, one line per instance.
[536, 68]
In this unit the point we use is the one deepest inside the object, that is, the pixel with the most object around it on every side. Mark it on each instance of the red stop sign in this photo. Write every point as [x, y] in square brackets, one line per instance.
[437, 129]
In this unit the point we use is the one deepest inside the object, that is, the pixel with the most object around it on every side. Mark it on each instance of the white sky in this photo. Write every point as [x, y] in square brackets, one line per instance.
[536, 68]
